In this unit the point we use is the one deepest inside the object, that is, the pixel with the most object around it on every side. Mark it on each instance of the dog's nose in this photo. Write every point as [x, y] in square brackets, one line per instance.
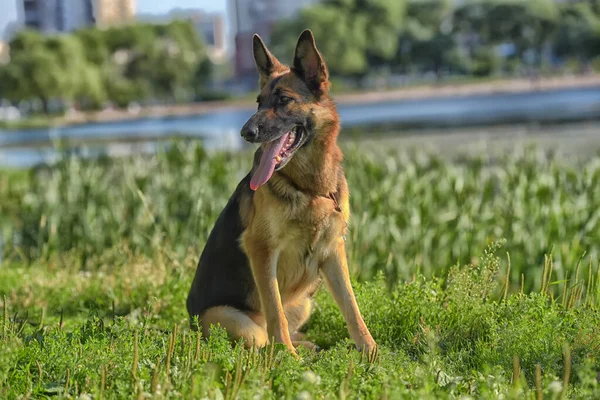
[250, 132]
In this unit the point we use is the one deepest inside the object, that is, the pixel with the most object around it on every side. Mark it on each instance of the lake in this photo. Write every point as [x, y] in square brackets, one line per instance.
[220, 129]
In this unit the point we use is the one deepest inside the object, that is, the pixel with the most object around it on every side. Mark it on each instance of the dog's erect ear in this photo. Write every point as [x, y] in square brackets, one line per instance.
[309, 64]
[266, 63]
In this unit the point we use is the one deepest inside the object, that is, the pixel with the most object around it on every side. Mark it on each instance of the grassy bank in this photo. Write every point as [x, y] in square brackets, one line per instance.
[98, 257]
[410, 209]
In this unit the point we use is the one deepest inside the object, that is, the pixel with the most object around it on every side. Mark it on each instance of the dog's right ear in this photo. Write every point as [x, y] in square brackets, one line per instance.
[266, 63]
[309, 63]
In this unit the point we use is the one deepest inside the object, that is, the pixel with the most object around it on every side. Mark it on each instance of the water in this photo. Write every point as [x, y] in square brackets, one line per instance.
[220, 130]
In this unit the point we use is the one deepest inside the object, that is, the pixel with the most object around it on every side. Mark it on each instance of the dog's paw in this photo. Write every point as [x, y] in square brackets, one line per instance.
[369, 352]
[307, 345]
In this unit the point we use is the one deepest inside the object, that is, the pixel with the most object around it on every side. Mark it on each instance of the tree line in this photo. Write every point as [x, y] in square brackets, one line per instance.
[469, 37]
[121, 65]
[168, 63]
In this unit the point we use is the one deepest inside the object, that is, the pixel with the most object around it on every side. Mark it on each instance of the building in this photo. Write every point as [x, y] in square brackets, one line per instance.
[258, 16]
[74, 14]
[114, 12]
[210, 27]
[39, 15]
[52, 16]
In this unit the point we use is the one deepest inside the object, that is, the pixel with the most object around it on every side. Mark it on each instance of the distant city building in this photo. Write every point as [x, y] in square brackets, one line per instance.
[258, 16]
[210, 27]
[52, 16]
[39, 15]
[114, 12]
[75, 14]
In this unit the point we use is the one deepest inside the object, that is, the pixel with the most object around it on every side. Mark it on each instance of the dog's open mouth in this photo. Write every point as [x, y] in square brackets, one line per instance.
[275, 156]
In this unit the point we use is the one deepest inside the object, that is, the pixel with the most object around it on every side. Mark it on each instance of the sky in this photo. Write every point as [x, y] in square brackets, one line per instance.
[8, 8]
[163, 6]
[8, 13]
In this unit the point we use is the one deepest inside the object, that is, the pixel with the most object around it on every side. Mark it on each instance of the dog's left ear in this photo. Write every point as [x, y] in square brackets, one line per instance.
[309, 64]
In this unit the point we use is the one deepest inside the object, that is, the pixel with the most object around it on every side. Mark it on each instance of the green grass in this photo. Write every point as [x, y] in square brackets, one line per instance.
[98, 257]
[38, 121]
[410, 209]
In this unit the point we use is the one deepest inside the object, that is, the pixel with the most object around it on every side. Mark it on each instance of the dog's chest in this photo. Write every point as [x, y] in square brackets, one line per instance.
[305, 239]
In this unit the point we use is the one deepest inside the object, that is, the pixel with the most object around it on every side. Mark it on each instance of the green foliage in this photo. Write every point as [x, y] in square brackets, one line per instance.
[99, 256]
[349, 33]
[121, 331]
[168, 63]
[36, 69]
[341, 43]
[73, 67]
[424, 211]
[131, 63]
[579, 31]
[485, 62]
[441, 35]
[427, 42]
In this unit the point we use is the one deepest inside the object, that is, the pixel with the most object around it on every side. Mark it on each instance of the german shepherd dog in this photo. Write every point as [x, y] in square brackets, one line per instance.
[285, 223]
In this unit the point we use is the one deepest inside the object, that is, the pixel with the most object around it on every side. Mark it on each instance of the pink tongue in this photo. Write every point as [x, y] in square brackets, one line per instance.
[267, 162]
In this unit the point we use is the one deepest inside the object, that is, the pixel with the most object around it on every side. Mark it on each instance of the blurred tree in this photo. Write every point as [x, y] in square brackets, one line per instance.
[9, 82]
[427, 42]
[26, 40]
[95, 46]
[578, 34]
[128, 37]
[122, 91]
[166, 63]
[385, 19]
[529, 25]
[166, 66]
[49, 68]
[203, 74]
[70, 58]
[485, 62]
[92, 93]
[35, 74]
[139, 62]
[352, 34]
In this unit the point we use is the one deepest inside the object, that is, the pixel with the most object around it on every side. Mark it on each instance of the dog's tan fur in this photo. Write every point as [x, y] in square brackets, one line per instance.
[293, 228]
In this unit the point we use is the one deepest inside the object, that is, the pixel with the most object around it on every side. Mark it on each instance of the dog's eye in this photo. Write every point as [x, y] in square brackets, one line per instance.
[284, 99]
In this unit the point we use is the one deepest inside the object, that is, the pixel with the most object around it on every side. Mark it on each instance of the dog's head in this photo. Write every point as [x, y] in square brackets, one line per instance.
[293, 106]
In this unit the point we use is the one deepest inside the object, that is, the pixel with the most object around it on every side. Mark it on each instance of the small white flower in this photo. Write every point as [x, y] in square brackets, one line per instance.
[555, 386]
[311, 377]
[304, 395]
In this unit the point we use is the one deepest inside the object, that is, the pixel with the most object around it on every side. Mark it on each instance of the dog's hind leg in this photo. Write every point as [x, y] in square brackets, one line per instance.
[238, 324]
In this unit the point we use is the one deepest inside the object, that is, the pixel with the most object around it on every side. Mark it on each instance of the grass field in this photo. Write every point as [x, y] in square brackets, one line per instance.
[97, 259]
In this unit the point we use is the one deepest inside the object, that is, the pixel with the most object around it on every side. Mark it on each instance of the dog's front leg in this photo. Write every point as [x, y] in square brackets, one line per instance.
[337, 278]
[263, 262]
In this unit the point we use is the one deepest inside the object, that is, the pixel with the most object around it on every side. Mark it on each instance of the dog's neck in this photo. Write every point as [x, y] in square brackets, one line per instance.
[315, 172]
